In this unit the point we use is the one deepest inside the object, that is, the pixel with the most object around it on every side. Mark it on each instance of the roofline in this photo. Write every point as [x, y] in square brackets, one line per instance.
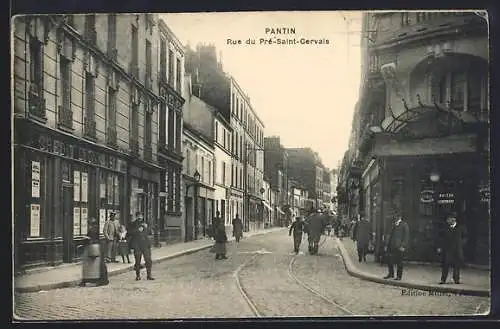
[165, 29]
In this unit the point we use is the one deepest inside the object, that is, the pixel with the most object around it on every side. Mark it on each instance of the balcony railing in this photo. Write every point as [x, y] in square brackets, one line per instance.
[36, 106]
[89, 127]
[134, 146]
[148, 151]
[111, 137]
[65, 117]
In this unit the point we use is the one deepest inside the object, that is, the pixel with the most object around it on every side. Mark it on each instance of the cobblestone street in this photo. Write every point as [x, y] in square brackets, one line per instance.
[197, 286]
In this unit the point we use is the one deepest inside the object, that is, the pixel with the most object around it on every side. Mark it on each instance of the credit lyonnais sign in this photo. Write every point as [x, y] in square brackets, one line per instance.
[446, 198]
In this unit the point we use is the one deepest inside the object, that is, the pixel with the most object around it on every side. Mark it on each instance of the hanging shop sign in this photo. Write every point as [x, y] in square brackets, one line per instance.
[484, 193]
[427, 196]
[52, 145]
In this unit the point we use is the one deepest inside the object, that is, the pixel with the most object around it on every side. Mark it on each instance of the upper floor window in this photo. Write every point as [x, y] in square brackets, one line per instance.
[36, 67]
[171, 67]
[90, 31]
[163, 58]
[178, 79]
[135, 49]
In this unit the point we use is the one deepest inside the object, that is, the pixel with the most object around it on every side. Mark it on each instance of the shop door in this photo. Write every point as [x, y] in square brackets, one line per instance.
[188, 211]
[67, 219]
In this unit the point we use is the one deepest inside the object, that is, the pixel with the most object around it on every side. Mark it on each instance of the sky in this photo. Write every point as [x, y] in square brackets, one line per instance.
[304, 93]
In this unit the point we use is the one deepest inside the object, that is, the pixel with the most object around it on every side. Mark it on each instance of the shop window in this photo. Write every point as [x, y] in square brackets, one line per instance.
[80, 202]
[169, 182]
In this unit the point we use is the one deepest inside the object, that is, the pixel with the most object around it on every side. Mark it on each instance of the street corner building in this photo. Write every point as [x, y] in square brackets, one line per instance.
[419, 143]
[97, 129]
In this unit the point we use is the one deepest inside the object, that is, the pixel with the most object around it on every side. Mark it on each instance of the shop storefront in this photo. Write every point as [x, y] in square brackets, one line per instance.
[60, 183]
[144, 193]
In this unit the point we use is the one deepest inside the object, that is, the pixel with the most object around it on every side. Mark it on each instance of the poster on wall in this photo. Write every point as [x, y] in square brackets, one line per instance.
[102, 190]
[76, 186]
[35, 179]
[102, 219]
[84, 218]
[35, 220]
[76, 221]
[84, 186]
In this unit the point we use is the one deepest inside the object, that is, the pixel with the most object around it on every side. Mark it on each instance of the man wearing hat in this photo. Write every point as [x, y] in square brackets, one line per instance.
[142, 247]
[451, 249]
[396, 246]
[110, 232]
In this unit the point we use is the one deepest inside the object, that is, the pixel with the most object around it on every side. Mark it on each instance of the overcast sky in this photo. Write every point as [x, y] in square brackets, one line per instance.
[303, 93]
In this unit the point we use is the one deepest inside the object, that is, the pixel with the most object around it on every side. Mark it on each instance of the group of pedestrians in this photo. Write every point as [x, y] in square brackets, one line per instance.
[450, 246]
[118, 240]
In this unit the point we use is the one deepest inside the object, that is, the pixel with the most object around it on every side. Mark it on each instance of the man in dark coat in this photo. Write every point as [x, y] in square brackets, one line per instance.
[297, 228]
[451, 249]
[237, 228]
[396, 245]
[315, 225]
[362, 235]
[142, 247]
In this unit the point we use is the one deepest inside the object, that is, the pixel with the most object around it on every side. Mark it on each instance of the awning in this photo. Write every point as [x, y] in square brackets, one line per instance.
[265, 204]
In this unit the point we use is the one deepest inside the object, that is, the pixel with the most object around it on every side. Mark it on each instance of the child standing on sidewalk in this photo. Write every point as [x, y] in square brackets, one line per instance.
[123, 244]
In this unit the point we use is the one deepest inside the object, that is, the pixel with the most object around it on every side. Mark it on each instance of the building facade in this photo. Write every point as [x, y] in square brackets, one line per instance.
[200, 164]
[222, 170]
[304, 166]
[424, 109]
[86, 120]
[171, 89]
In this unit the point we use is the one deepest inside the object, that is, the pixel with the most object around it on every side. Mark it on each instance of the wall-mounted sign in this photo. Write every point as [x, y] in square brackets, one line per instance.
[35, 220]
[484, 193]
[35, 179]
[446, 198]
[427, 196]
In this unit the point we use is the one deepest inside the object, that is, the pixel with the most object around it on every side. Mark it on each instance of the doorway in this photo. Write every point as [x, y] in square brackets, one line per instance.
[188, 226]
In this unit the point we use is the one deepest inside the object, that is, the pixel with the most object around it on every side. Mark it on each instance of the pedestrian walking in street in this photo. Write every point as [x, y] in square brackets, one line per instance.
[220, 238]
[142, 247]
[94, 268]
[109, 231]
[123, 247]
[397, 244]
[297, 228]
[237, 228]
[451, 249]
[362, 235]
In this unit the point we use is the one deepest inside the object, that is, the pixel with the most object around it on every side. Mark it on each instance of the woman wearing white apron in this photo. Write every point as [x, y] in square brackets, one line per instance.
[94, 268]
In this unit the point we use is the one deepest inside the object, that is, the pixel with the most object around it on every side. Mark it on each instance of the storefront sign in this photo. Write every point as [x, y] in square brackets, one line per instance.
[52, 145]
[446, 198]
[35, 179]
[76, 221]
[427, 196]
[35, 220]
[484, 193]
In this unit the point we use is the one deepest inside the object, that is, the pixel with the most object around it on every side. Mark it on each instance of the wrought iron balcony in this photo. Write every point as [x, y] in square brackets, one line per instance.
[148, 151]
[65, 117]
[134, 145]
[89, 127]
[36, 106]
[111, 137]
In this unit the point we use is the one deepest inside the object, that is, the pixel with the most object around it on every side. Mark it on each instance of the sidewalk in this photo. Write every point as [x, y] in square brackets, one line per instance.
[70, 275]
[474, 282]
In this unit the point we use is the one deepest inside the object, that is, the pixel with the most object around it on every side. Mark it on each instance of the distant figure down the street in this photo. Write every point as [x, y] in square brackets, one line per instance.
[297, 228]
[237, 228]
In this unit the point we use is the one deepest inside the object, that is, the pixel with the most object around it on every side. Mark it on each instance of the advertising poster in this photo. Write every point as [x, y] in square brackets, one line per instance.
[102, 190]
[76, 221]
[76, 186]
[85, 185]
[84, 218]
[102, 219]
[35, 179]
[35, 220]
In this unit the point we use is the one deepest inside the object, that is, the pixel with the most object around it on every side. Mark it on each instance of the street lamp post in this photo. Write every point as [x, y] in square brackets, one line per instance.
[197, 178]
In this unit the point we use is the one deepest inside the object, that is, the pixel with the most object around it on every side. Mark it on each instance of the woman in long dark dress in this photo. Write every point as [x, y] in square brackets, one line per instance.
[94, 268]
[220, 240]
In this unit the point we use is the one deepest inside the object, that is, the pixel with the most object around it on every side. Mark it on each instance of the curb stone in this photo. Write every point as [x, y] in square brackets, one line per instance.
[352, 270]
[76, 282]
